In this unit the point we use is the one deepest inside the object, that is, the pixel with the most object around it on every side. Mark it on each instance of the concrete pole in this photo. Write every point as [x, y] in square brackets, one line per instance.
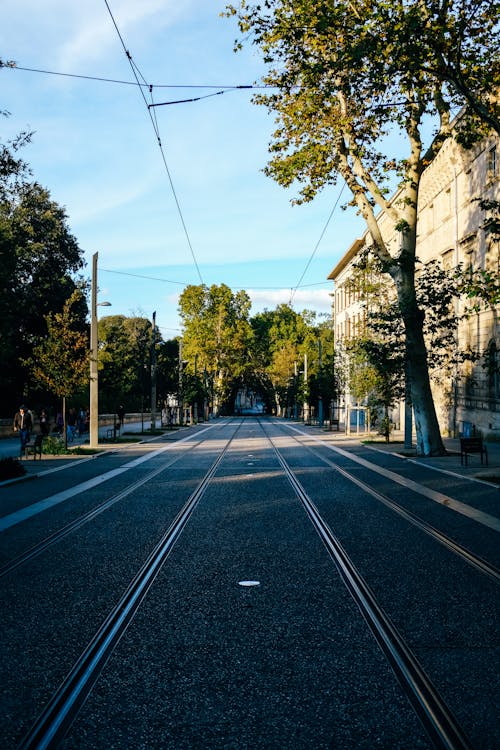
[94, 406]
[306, 391]
[320, 397]
[180, 399]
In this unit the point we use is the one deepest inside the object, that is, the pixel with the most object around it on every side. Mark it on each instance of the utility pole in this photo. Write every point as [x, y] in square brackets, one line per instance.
[306, 391]
[94, 406]
[153, 374]
[195, 406]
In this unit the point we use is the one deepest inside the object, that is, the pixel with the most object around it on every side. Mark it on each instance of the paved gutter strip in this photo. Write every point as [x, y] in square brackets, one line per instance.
[466, 510]
[427, 528]
[32, 510]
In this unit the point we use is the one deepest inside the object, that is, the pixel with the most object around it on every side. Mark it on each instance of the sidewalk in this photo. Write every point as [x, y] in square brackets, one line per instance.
[449, 463]
[10, 447]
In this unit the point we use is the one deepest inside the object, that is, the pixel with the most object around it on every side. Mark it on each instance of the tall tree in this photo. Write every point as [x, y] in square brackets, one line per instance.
[345, 78]
[217, 335]
[124, 362]
[60, 360]
[39, 261]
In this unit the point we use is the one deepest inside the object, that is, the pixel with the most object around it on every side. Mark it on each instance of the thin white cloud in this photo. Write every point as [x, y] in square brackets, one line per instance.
[95, 30]
[77, 33]
[314, 299]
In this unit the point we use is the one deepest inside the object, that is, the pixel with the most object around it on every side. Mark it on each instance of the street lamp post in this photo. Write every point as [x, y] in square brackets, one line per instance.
[94, 389]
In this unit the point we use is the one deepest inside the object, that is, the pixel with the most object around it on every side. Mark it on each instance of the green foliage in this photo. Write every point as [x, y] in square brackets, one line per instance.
[54, 446]
[38, 261]
[346, 74]
[124, 362]
[10, 468]
[217, 337]
[60, 360]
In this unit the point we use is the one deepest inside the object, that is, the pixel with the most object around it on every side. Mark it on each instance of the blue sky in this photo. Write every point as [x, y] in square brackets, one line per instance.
[96, 151]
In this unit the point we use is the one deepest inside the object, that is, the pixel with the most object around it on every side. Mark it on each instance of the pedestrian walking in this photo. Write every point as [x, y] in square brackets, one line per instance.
[44, 422]
[81, 421]
[23, 424]
[71, 426]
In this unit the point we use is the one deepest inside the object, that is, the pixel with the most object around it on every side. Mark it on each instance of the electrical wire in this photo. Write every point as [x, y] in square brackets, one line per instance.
[140, 276]
[136, 72]
[226, 86]
[292, 295]
[185, 283]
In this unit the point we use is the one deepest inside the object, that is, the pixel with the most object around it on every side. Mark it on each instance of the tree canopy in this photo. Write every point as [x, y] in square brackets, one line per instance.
[40, 261]
[346, 76]
[217, 335]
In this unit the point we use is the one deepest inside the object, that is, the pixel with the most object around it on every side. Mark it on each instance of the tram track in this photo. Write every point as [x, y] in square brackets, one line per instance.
[441, 726]
[60, 712]
[77, 523]
[462, 552]
[433, 713]
[60, 534]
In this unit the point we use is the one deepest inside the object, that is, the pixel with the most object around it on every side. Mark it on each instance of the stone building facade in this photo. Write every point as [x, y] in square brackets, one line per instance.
[451, 229]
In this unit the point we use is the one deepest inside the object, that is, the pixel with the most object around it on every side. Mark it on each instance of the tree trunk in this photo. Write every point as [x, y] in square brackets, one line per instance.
[429, 441]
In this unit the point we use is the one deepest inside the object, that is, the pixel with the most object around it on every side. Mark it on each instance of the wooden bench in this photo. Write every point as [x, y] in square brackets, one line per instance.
[334, 423]
[34, 447]
[471, 445]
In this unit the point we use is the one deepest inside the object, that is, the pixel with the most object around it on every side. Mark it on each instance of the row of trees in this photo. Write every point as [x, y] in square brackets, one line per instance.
[345, 76]
[225, 350]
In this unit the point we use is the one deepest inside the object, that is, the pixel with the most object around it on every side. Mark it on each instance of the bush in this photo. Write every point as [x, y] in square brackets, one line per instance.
[54, 446]
[10, 468]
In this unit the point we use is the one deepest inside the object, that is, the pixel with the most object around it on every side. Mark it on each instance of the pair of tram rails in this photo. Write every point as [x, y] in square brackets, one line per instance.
[58, 715]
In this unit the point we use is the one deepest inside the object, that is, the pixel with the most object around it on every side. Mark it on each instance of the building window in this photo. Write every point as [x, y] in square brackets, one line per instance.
[447, 260]
[493, 372]
[492, 163]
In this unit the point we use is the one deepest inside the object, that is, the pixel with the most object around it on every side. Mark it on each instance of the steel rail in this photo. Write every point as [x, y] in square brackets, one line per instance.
[479, 516]
[60, 712]
[441, 726]
[469, 557]
[61, 533]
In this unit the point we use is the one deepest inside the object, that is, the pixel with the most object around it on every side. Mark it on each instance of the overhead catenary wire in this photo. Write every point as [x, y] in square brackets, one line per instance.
[136, 72]
[292, 295]
[186, 283]
[145, 85]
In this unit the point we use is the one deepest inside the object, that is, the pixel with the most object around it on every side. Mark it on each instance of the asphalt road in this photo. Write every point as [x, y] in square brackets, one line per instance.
[246, 635]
